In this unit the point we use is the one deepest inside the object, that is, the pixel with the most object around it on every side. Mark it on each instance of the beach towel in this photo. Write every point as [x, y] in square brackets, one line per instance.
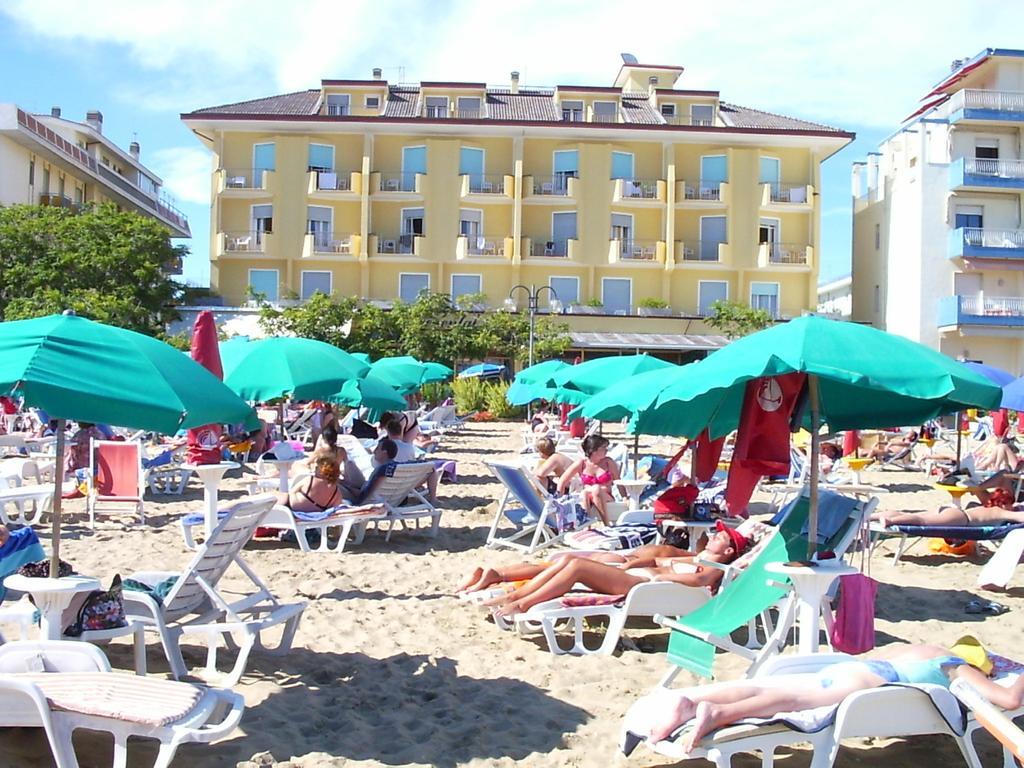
[341, 510]
[833, 511]
[613, 538]
[21, 548]
[854, 628]
[959, 532]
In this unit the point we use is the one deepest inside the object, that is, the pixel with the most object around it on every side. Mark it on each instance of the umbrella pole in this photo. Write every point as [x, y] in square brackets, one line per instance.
[959, 438]
[636, 453]
[812, 519]
[58, 491]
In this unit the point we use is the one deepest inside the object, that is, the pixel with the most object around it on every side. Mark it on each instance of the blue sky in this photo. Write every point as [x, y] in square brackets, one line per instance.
[142, 63]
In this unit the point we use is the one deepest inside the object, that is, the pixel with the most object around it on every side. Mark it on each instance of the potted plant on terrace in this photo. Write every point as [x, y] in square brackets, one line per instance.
[589, 307]
[651, 307]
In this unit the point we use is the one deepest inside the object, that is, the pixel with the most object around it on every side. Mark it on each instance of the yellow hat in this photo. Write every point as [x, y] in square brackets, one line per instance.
[970, 649]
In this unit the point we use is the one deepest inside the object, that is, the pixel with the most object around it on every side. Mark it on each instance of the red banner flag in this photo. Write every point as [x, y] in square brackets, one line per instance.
[204, 442]
[762, 441]
[708, 453]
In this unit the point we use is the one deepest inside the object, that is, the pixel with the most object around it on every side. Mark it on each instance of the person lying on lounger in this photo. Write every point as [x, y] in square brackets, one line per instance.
[320, 492]
[559, 578]
[716, 705]
[997, 507]
[893, 446]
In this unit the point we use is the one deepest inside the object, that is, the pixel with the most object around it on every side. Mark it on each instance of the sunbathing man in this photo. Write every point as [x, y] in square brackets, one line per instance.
[997, 507]
[715, 705]
[894, 446]
[723, 547]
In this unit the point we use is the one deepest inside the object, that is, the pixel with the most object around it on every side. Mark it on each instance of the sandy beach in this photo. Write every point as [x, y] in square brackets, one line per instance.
[388, 668]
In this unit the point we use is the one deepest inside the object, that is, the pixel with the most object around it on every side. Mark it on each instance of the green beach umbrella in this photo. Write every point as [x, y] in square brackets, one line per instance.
[577, 383]
[305, 369]
[371, 391]
[436, 372]
[535, 382]
[74, 368]
[361, 357]
[404, 373]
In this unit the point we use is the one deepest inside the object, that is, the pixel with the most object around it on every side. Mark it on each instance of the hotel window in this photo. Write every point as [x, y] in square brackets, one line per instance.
[79, 195]
[437, 106]
[713, 231]
[469, 107]
[46, 181]
[565, 165]
[264, 282]
[668, 110]
[318, 224]
[411, 285]
[264, 158]
[60, 186]
[31, 171]
[321, 158]
[969, 216]
[702, 114]
[372, 102]
[765, 296]
[337, 104]
[708, 292]
[572, 111]
[464, 285]
[315, 282]
[606, 112]
[262, 220]
[566, 288]
[986, 149]
[617, 295]
[622, 165]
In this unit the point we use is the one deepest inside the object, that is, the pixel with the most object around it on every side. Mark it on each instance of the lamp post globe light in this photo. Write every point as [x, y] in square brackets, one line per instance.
[533, 294]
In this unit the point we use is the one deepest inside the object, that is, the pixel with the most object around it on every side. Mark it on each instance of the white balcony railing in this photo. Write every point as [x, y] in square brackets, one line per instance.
[1000, 169]
[785, 253]
[702, 190]
[242, 242]
[998, 101]
[1006, 306]
[993, 238]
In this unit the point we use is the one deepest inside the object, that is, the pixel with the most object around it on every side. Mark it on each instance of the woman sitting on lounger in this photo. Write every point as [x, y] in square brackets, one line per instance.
[597, 473]
[552, 464]
[320, 492]
[558, 579]
[997, 507]
[716, 705]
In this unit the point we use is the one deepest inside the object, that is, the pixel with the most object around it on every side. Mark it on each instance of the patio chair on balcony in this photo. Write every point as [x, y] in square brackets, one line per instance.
[391, 185]
[341, 246]
[240, 243]
[236, 182]
[549, 248]
[490, 247]
[388, 246]
[547, 188]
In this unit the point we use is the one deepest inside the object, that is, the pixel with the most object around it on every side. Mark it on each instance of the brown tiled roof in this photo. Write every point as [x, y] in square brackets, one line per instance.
[639, 110]
[745, 117]
[298, 103]
[522, 106]
[402, 102]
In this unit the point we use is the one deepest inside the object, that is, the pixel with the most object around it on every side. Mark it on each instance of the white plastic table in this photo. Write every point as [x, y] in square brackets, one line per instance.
[52, 596]
[633, 490]
[284, 467]
[811, 584]
[210, 475]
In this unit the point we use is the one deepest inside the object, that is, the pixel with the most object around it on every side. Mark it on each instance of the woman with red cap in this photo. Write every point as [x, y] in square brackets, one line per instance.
[558, 579]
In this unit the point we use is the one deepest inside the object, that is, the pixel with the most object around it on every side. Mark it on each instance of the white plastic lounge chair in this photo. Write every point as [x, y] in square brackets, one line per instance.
[397, 491]
[194, 605]
[350, 521]
[27, 502]
[62, 686]
[357, 452]
[115, 477]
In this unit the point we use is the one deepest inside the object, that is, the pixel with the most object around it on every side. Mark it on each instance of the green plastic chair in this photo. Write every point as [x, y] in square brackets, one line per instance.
[751, 594]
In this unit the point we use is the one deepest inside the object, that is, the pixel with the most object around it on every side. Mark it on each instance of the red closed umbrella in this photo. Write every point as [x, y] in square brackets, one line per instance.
[204, 441]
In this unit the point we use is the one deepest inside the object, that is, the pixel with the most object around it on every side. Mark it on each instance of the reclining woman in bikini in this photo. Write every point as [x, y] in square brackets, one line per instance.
[997, 507]
[320, 492]
[597, 473]
[715, 705]
[557, 580]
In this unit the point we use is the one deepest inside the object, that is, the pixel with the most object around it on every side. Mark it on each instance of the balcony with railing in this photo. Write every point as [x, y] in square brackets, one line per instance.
[983, 243]
[322, 244]
[550, 249]
[396, 245]
[636, 251]
[334, 184]
[487, 187]
[242, 243]
[243, 181]
[702, 193]
[644, 192]
[978, 104]
[700, 252]
[604, 117]
[980, 310]
[687, 120]
[397, 182]
[550, 187]
[483, 247]
[785, 194]
[985, 174]
[57, 201]
[783, 254]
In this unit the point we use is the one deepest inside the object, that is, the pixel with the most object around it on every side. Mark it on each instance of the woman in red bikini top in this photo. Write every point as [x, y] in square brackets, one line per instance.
[597, 473]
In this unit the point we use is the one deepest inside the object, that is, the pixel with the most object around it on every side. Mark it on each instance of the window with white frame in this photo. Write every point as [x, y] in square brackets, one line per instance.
[372, 102]
[264, 282]
[321, 157]
[708, 292]
[436, 106]
[668, 110]
[464, 285]
[606, 112]
[411, 285]
[622, 165]
[318, 224]
[617, 295]
[986, 149]
[567, 289]
[765, 296]
[315, 281]
[702, 114]
[337, 104]
[572, 111]
[468, 107]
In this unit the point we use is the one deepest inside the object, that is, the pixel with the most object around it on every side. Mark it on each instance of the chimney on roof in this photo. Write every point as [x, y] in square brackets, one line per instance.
[133, 149]
[95, 119]
[376, 73]
[515, 82]
[652, 84]
[54, 111]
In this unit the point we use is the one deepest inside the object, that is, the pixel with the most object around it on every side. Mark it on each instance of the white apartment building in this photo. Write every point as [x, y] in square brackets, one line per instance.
[938, 236]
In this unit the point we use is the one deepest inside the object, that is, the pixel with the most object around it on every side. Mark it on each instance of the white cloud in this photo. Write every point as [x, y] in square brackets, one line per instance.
[185, 172]
[816, 60]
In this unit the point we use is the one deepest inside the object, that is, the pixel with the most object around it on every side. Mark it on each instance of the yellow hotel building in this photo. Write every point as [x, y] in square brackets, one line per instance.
[609, 195]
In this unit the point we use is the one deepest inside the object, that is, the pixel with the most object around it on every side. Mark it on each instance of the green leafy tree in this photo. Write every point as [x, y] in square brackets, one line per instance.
[321, 317]
[735, 319]
[109, 265]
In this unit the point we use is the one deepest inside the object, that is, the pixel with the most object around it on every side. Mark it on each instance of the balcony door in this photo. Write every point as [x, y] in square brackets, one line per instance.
[712, 233]
[768, 234]
[471, 226]
[622, 230]
[471, 163]
[714, 170]
[414, 160]
[565, 165]
[708, 292]
[622, 165]
[318, 220]
[770, 171]
[412, 225]
[263, 159]
[563, 229]
[262, 221]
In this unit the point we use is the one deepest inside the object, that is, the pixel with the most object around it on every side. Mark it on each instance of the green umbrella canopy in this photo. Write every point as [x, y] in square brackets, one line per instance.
[371, 391]
[404, 373]
[436, 372]
[535, 382]
[361, 357]
[74, 368]
[577, 383]
[306, 369]
[866, 378]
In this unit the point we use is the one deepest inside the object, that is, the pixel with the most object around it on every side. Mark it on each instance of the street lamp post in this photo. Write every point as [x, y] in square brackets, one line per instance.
[532, 302]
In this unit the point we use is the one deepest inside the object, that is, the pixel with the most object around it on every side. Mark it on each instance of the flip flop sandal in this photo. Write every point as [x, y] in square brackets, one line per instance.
[989, 607]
